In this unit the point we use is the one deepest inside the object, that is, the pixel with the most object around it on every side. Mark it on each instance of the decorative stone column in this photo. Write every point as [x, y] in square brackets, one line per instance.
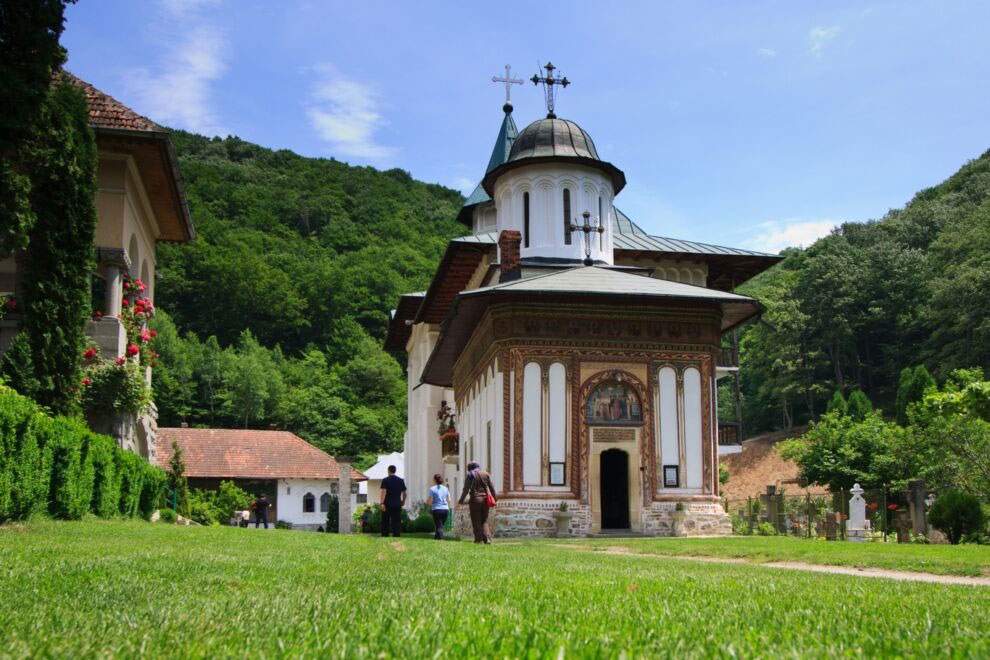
[108, 332]
[344, 522]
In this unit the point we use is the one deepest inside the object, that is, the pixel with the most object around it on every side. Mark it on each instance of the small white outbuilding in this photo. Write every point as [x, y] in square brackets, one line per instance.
[379, 471]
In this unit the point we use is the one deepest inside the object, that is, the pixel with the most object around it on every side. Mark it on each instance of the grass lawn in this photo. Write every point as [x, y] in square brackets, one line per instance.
[129, 588]
[939, 559]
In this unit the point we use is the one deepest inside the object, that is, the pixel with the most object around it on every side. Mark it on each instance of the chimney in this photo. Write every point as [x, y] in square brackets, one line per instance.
[508, 255]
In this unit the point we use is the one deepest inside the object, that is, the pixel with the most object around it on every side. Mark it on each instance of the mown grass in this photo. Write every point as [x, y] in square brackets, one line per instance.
[130, 588]
[965, 559]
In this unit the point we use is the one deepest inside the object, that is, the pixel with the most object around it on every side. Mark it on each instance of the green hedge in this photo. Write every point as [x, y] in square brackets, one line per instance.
[57, 466]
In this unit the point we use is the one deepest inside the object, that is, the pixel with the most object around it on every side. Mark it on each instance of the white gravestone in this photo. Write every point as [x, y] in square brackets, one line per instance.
[857, 527]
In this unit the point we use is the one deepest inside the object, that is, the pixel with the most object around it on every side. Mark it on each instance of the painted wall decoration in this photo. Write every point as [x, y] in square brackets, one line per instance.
[613, 403]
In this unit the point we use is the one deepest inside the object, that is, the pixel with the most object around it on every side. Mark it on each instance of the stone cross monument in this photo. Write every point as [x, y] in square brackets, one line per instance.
[858, 527]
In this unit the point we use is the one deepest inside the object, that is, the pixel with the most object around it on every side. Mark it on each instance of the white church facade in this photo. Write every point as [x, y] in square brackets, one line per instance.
[579, 354]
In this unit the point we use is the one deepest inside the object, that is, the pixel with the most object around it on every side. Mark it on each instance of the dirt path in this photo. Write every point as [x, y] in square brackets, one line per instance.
[907, 576]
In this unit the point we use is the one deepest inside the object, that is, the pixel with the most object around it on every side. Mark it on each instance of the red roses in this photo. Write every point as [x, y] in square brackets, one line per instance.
[132, 350]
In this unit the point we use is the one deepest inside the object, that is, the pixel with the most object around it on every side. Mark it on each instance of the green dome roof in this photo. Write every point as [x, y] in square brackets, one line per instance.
[554, 140]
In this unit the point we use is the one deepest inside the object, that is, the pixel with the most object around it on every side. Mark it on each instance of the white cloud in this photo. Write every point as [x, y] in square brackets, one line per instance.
[178, 90]
[819, 37]
[464, 184]
[345, 113]
[766, 52]
[775, 235]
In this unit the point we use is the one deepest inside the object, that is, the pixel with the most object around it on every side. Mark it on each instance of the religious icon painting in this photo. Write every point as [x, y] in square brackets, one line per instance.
[613, 403]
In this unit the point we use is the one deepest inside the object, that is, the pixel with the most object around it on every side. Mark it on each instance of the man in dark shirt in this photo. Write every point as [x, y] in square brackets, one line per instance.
[393, 496]
[261, 511]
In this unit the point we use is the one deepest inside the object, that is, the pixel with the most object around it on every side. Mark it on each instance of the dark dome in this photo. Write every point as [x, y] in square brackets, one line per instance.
[554, 140]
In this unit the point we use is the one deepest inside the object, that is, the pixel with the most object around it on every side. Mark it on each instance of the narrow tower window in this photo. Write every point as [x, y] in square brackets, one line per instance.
[567, 216]
[525, 219]
[601, 222]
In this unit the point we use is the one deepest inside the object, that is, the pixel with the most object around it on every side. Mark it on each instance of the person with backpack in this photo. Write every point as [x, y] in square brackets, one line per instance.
[480, 493]
[439, 501]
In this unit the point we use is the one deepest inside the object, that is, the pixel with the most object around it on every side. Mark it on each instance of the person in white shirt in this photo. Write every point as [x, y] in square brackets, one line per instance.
[439, 500]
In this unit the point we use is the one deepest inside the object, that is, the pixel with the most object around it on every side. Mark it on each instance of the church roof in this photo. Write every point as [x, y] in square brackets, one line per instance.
[580, 283]
[507, 133]
[554, 140]
[247, 454]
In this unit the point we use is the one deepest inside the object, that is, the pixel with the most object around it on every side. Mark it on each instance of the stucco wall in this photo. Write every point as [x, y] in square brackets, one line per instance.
[290, 500]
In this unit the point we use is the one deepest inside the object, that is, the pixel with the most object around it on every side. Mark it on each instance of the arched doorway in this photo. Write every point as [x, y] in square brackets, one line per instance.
[614, 480]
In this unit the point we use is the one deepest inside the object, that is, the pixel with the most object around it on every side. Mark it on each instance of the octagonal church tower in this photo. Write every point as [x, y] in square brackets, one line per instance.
[551, 178]
[578, 354]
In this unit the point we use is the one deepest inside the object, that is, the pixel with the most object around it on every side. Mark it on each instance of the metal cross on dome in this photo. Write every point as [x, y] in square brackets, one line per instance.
[550, 83]
[508, 80]
[588, 230]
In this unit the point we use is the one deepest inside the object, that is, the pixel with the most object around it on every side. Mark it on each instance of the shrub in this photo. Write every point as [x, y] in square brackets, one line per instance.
[766, 529]
[282, 524]
[202, 507]
[422, 523]
[106, 484]
[231, 498]
[859, 405]
[56, 465]
[333, 515]
[956, 514]
[168, 516]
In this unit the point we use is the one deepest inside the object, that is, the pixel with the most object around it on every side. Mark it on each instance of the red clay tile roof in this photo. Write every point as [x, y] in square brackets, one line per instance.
[107, 112]
[247, 454]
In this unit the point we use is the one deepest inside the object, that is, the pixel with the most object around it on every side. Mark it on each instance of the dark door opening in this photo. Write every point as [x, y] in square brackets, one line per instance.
[614, 480]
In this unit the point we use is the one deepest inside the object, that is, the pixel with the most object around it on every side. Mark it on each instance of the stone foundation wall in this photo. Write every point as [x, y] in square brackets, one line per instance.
[695, 519]
[535, 518]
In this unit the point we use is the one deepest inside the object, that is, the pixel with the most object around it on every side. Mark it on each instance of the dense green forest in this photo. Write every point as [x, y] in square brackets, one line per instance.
[275, 314]
[858, 306]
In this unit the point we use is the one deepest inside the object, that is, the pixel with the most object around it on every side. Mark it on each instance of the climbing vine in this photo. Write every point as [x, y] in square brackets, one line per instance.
[59, 257]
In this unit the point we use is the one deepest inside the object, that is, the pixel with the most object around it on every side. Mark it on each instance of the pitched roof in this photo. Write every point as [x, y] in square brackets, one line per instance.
[606, 281]
[247, 454]
[605, 285]
[107, 112]
[120, 130]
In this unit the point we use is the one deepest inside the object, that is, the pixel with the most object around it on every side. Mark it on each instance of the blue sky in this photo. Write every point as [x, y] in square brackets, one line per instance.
[757, 124]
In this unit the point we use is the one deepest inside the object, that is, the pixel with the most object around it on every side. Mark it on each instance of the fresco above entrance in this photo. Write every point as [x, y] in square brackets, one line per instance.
[613, 403]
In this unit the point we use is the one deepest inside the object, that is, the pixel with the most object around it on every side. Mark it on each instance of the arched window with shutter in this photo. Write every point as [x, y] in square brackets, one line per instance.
[324, 502]
[309, 503]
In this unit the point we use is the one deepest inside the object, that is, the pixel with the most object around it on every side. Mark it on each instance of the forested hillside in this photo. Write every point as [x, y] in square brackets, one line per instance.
[858, 306]
[276, 312]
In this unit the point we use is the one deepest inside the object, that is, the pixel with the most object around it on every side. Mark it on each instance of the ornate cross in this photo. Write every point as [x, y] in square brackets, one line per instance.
[588, 231]
[508, 80]
[550, 82]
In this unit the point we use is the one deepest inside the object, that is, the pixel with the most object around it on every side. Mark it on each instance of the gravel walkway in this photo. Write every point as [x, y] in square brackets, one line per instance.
[907, 576]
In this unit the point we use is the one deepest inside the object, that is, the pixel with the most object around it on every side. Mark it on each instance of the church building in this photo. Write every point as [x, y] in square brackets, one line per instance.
[570, 353]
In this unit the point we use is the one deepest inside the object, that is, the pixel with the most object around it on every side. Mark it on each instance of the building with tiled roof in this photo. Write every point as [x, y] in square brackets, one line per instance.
[139, 204]
[298, 478]
[580, 353]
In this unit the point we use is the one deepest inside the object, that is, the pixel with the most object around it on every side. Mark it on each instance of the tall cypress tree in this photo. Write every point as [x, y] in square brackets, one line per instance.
[59, 257]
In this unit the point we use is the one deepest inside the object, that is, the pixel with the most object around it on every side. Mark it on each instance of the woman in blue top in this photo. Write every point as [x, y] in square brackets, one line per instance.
[439, 500]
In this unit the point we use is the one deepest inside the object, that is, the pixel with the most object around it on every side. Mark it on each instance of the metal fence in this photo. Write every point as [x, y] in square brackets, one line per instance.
[899, 515]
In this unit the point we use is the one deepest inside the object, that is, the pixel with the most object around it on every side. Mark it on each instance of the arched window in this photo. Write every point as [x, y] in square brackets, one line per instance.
[324, 502]
[525, 219]
[134, 255]
[567, 216]
[309, 503]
